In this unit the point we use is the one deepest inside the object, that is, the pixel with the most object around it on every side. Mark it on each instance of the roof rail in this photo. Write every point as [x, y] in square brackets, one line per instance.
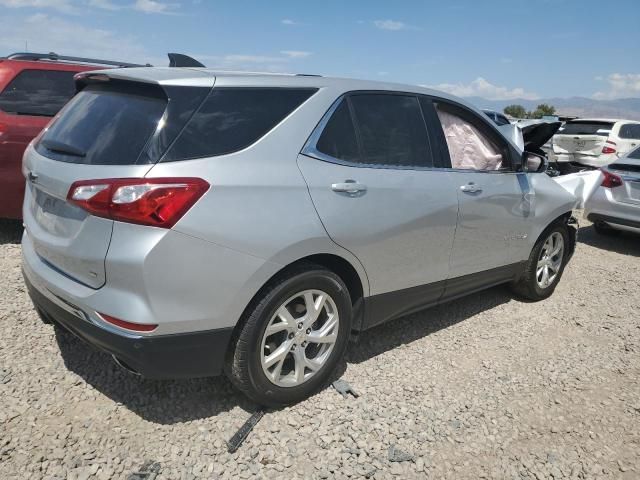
[64, 58]
[181, 60]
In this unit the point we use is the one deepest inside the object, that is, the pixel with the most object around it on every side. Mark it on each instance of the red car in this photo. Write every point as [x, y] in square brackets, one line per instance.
[33, 87]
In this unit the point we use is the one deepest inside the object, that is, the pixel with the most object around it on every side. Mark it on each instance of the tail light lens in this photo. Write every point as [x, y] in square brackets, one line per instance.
[134, 327]
[610, 180]
[157, 202]
[608, 149]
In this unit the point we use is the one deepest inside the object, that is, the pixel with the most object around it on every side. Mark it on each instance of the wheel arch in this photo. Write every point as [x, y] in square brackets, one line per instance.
[356, 285]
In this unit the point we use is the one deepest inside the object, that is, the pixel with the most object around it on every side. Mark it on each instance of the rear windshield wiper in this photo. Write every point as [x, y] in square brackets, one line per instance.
[64, 148]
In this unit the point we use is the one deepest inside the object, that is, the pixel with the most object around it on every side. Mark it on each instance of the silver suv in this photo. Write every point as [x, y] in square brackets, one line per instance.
[190, 222]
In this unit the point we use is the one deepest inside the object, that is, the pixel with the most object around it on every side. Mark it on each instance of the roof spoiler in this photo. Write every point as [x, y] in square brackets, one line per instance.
[64, 58]
[181, 60]
[175, 59]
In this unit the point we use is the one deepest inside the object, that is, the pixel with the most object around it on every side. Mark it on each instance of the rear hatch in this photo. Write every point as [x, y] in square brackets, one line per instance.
[628, 168]
[582, 138]
[113, 128]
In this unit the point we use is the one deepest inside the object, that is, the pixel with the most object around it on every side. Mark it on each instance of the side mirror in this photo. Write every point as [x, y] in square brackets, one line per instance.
[534, 163]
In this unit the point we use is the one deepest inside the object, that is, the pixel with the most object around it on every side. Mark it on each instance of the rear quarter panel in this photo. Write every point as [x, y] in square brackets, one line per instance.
[259, 204]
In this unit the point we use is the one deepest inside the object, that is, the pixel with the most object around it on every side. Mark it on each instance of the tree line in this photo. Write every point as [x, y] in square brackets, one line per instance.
[518, 111]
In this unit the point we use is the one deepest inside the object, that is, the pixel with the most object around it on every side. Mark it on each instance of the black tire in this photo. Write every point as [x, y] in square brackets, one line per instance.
[604, 229]
[244, 367]
[527, 286]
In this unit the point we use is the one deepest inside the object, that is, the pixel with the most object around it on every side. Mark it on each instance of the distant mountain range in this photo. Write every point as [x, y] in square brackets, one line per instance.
[623, 108]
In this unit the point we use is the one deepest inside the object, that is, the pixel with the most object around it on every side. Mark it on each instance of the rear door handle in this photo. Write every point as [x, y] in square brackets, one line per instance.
[348, 186]
[471, 188]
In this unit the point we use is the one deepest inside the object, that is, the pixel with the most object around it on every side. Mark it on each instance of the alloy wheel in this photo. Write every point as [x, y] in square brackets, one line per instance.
[550, 260]
[299, 338]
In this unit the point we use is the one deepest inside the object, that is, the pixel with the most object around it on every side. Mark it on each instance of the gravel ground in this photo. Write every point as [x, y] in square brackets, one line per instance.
[486, 387]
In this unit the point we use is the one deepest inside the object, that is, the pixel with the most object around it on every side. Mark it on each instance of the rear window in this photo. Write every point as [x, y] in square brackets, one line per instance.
[231, 119]
[586, 128]
[630, 131]
[625, 167]
[105, 126]
[635, 154]
[37, 92]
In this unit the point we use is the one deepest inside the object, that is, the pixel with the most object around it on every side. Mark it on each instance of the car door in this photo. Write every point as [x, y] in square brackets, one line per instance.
[370, 172]
[628, 137]
[495, 202]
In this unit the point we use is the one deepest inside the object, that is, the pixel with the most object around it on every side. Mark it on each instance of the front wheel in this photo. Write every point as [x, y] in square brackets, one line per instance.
[546, 264]
[292, 338]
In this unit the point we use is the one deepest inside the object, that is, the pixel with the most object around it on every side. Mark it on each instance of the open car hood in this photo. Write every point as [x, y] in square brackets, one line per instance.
[535, 135]
[532, 135]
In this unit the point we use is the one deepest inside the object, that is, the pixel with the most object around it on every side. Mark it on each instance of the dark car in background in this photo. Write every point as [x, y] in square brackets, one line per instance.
[497, 117]
[33, 88]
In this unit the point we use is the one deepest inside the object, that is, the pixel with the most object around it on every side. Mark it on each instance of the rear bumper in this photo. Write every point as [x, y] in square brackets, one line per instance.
[614, 221]
[185, 355]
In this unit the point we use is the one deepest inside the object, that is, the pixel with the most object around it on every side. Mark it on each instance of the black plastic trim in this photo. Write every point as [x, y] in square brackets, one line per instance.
[596, 217]
[188, 355]
[381, 308]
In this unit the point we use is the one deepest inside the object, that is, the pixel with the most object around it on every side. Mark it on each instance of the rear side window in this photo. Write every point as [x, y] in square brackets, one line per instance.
[630, 131]
[231, 119]
[586, 128]
[392, 130]
[338, 139]
[38, 92]
[105, 126]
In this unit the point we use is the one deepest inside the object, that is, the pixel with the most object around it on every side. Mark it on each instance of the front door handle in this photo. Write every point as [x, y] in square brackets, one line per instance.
[348, 186]
[471, 188]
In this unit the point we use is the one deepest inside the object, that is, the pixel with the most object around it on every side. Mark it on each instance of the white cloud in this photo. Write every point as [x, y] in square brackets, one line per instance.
[64, 6]
[393, 25]
[482, 88]
[295, 53]
[620, 85]
[105, 5]
[265, 63]
[288, 21]
[153, 6]
[46, 33]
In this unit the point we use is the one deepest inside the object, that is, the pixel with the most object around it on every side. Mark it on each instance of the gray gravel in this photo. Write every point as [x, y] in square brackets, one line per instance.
[485, 387]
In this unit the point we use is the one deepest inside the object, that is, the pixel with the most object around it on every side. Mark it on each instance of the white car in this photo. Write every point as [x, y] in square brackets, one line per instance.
[615, 203]
[594, 142]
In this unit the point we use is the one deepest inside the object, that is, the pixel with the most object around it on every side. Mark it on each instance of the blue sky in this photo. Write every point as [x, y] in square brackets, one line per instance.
[497, 49]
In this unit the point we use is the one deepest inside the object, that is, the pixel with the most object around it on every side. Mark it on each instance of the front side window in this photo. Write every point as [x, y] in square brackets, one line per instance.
[630, 131]
[38, 92]
[392, 130]
[470, 146]
[231, 119]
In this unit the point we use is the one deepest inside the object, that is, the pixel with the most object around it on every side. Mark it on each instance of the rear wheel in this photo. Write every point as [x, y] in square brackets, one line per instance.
[545, 265]
[293, 337]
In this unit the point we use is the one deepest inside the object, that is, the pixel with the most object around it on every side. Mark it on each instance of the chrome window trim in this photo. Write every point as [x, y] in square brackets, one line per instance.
[310, 150]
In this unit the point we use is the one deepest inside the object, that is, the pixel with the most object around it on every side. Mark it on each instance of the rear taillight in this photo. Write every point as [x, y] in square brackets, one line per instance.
[134, 327]
[158, 202]
[610, 180]
[608, 149]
